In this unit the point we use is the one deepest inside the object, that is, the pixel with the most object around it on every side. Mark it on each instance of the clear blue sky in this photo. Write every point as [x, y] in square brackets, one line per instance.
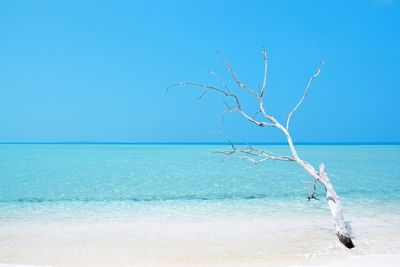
[97, 71]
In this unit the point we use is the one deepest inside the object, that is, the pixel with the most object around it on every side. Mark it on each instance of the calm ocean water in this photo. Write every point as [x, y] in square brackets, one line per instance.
[34, 176]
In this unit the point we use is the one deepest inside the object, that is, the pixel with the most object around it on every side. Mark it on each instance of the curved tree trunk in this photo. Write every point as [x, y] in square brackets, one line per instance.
[335, 206]
[334, 203]
[333, 199]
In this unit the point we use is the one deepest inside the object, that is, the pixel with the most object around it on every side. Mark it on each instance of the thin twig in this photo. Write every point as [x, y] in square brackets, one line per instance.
[234, 76]
[314, 192]
[208, 88]
[252, 154]
[224, 84]
[264, 53]
[304, 94]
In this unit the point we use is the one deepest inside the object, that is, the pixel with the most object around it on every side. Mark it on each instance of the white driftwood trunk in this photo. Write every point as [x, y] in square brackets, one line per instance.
[332, 198]
[334, 203]
[335, 206]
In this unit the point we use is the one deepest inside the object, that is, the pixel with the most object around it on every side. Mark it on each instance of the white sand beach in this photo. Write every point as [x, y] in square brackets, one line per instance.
[363, 261]
[198, 237]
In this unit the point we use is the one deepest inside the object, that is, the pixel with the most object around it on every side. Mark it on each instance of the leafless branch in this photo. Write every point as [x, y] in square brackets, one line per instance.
[208, 88]
[228, 109]
[220, 80]
[252, 154]
[256, 114]
[318, 71]
[264, 53]
[314, 192]
[234, 76]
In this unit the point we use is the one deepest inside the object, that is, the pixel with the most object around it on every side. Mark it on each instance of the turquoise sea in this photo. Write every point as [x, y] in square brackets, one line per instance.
[33, 176]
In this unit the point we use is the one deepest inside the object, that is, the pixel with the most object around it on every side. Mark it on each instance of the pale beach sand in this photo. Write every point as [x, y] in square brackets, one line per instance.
[363, 261]
[197, 236]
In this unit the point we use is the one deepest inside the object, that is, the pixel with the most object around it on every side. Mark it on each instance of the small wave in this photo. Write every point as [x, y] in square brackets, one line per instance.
[143, 199]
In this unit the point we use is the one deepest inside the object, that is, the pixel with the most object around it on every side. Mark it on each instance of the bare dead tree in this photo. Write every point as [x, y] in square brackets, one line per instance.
[257, 156]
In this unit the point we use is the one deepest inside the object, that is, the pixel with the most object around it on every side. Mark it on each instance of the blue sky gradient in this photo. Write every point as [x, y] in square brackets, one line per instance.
[97, 70]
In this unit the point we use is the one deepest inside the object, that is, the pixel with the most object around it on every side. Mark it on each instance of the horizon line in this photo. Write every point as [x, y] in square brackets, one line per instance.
[197, 143]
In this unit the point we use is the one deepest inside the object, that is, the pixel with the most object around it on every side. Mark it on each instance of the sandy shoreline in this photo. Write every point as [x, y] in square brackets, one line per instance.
[192, 238]
[354, 261]
[365, 261]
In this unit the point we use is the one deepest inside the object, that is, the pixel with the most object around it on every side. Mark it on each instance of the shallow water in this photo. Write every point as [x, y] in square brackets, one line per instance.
[54, 173]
